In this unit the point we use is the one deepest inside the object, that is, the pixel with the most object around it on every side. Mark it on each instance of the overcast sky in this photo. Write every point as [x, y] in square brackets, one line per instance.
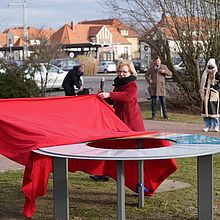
[48, 13]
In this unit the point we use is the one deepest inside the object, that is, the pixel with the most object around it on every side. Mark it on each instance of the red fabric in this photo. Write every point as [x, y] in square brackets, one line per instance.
[125, 101]
[31, 123]
[155, 171]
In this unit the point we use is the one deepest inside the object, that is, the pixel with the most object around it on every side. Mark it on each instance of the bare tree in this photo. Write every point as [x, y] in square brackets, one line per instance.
[42, 51]
[191, 26]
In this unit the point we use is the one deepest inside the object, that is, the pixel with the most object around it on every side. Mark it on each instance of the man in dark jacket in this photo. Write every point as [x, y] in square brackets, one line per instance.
[73, 80]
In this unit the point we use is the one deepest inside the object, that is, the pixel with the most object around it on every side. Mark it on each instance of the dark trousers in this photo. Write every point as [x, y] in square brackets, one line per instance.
[69, 90]
[154, 105]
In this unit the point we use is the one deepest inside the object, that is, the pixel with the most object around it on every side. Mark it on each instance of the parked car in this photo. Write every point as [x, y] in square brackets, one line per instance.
[106, 67]
[65, 64]
[140, 66]
[181, 68]
[55, 76]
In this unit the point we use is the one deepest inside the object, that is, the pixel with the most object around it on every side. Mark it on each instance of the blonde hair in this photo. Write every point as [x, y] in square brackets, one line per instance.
[127, 63]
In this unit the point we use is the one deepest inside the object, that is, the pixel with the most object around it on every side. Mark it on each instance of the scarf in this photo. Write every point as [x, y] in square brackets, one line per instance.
[122, 81]
[207, 81]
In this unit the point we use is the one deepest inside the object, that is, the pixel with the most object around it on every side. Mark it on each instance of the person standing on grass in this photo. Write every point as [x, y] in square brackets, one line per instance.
[209, 92]
[155, 76]
[124, 99]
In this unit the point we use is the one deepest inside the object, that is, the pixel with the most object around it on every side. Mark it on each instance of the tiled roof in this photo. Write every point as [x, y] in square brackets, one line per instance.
[102, 21]
[18, 31]
[80, 33]
[19, 42]
[117, 37]
[167, 24]
[62, 35]
[33, 33]
[112, 22]
[94, 30]
[71, 34]
[3, 39]
[37, 33]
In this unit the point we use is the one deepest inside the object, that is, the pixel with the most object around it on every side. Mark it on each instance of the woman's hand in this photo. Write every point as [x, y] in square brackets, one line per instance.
[104, 95]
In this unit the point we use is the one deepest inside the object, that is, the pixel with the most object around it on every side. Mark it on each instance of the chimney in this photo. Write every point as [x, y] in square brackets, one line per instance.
[72, 26]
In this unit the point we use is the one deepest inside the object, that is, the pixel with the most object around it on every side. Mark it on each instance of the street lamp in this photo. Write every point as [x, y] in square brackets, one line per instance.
[10, 51]
[24, 5]
[25, 29]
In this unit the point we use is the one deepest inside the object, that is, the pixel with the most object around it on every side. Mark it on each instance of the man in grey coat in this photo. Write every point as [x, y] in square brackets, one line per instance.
[155, 76]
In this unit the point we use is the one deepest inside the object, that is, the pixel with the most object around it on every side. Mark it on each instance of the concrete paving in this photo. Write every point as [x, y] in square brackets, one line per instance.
[7, 165]
[170, 185]
[169, 126]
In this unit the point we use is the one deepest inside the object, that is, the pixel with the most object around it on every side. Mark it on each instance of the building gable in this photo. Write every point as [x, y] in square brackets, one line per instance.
[104, 36]
[3, 39]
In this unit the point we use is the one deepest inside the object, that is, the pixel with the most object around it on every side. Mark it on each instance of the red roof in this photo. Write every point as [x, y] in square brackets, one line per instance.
[167, 25]
[75, 33]
[114, 23]
[33, 33]
[81, 33]
[94, 30]
[3, 39]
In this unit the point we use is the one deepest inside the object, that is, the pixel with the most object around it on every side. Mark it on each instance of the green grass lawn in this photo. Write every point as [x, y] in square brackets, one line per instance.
[177, 116]
[97, 200]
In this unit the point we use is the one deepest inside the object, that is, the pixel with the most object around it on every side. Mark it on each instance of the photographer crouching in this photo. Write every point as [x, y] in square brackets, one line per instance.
[73, 80]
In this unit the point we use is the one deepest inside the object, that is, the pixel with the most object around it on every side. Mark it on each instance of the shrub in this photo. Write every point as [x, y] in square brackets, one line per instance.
[14, 83]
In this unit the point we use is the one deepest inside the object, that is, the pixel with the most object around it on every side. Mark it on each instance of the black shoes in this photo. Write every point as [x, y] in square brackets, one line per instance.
[99, 178]
[166, 117]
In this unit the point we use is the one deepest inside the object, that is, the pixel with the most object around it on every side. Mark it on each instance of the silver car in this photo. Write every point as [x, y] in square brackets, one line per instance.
[106, 67]
[65, 64]
[48, 74]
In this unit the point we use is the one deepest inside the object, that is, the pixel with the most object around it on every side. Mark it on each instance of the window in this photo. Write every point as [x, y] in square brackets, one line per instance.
[124, 32]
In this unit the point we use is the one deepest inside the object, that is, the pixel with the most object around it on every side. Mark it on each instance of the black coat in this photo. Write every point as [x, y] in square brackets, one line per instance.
[72, 80]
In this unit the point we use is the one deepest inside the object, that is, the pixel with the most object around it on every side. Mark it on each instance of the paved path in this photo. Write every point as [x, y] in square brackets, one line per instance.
[6, 164]
[168, 126]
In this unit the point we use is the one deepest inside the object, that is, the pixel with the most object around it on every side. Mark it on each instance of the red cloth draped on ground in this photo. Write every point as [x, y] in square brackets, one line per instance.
[31, 123]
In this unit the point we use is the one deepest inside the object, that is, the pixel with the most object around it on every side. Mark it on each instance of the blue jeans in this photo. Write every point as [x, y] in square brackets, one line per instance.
[211, 122]
[154, 105]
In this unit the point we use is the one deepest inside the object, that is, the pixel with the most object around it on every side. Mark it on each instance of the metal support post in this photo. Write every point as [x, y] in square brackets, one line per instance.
[120, 190]
[205, 187]
[140, 179]
[60, 189]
